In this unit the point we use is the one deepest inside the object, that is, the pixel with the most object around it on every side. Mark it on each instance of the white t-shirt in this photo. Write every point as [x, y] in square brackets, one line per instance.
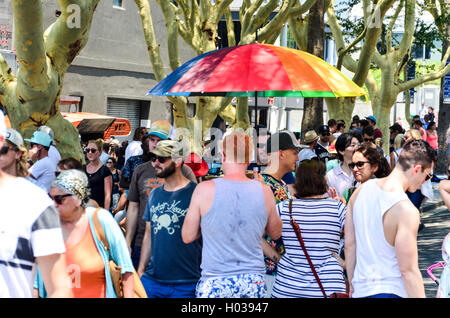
[133, 149]
[44, 171]
[339, 180]
[54, 154]
[29, 228]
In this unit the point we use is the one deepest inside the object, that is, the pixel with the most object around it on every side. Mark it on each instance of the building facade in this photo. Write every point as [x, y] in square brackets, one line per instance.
[113, 73]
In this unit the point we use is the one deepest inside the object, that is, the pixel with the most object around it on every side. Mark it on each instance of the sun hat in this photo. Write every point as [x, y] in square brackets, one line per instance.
[40, 138]
[160, 128]
[310, 137]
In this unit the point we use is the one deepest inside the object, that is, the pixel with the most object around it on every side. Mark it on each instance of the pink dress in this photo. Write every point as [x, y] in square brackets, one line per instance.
[433, 140]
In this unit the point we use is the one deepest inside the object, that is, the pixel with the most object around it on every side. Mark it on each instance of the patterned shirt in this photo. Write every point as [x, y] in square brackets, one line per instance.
[281, 193]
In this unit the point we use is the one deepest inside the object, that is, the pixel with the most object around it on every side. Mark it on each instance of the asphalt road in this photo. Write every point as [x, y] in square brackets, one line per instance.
[437, 225]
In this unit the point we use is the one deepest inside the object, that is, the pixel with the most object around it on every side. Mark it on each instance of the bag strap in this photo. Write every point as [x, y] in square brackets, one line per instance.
[300, 239]
[99, 232]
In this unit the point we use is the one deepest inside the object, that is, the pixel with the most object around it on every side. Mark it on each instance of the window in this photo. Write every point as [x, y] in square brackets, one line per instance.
[117, 3]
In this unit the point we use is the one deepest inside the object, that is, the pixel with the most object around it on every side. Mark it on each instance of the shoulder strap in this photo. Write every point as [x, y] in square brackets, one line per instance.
[300, 239]
[99, 232]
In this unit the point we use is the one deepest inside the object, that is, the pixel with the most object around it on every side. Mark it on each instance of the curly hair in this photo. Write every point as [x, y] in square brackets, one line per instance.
[375, 159]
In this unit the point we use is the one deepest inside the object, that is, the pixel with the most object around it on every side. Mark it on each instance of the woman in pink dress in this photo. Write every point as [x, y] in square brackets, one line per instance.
[432, 136]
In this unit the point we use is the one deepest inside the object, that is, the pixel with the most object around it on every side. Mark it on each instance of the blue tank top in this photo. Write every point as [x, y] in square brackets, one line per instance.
[233, 228]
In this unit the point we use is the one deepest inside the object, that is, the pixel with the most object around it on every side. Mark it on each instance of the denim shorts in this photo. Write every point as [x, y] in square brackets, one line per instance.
[236, 286]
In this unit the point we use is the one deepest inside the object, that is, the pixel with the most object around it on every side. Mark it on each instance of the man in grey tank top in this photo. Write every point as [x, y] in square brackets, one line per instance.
[232, 214]
[381, 228]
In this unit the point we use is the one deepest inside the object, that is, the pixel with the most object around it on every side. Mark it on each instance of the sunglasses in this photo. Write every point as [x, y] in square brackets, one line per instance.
[109, 162]
[358, 164]
[368, 139]
[91, 150]
[429, 176]
[160, 159]
[325, 134]
[5, 149]
[59, 198]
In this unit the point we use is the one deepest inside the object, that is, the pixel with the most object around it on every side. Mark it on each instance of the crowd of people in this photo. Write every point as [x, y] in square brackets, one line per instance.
[328, 212]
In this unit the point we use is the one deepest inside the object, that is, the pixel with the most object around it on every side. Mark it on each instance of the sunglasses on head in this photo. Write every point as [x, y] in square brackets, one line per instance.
[160, 159]
[358, 164]
[59, 198]
[5, 149]
[91, 150]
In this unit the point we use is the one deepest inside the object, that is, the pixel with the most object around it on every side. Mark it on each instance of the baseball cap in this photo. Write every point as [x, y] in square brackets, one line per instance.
[168, 148]
[324, 128]
[47, 130]
[160, 128]
[40, 138]
[14, 137]
[372, 118]
[282, 140]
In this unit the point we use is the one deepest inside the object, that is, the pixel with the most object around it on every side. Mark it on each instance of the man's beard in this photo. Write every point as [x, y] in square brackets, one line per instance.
[167, 172]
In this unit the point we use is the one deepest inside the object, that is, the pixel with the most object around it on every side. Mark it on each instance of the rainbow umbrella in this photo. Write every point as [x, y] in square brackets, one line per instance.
[257, 69]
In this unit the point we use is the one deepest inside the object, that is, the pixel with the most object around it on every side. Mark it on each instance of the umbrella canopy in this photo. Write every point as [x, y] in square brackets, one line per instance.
[262, 69]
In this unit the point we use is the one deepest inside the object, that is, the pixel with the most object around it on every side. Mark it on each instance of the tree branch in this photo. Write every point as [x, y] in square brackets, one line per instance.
[28, 23]
[230, 28]
[391, 26]
[443, 69]
[408, 34]
[65, 38]
[343, 52]
[172, 33]
[150, 39]
[6, 76]
[277, 23]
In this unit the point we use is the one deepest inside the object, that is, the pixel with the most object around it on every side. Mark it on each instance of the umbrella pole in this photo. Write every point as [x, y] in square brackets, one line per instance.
[256, 112]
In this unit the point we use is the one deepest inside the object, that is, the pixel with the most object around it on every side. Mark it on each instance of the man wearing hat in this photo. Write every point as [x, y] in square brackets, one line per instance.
[310, 142]
[324, 141]
[159, 130]
[53, 153]
[43, 170]
[140, 176]
[282, 151]
[168, 267]
[30, 234]
[373, 122]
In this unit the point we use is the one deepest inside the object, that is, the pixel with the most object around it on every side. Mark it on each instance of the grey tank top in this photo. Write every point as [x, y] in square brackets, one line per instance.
[233, 228]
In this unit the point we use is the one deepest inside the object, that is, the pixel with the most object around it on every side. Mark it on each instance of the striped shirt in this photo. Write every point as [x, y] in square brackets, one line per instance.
[29, 228]
[321, 222]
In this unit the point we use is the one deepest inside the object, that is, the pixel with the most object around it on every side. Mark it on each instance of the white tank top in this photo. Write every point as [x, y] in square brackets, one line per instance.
[376, 268]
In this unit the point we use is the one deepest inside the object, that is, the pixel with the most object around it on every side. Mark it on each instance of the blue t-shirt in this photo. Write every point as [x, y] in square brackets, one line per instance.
[171, 260]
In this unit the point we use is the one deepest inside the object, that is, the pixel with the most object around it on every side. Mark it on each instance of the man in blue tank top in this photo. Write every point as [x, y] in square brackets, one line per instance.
[231, 214]
[168, 267]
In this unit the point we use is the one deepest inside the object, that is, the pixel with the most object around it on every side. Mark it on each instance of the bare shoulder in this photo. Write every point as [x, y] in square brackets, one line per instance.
[205, 188]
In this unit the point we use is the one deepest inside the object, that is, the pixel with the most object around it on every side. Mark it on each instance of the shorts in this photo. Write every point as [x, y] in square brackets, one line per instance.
[159, 290]
[236, 286]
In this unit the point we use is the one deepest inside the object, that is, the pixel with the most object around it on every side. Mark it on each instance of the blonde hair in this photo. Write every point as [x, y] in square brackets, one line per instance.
[21, 166]
[399, 141]
[237, 147]
[415, 134]
[98, 143]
